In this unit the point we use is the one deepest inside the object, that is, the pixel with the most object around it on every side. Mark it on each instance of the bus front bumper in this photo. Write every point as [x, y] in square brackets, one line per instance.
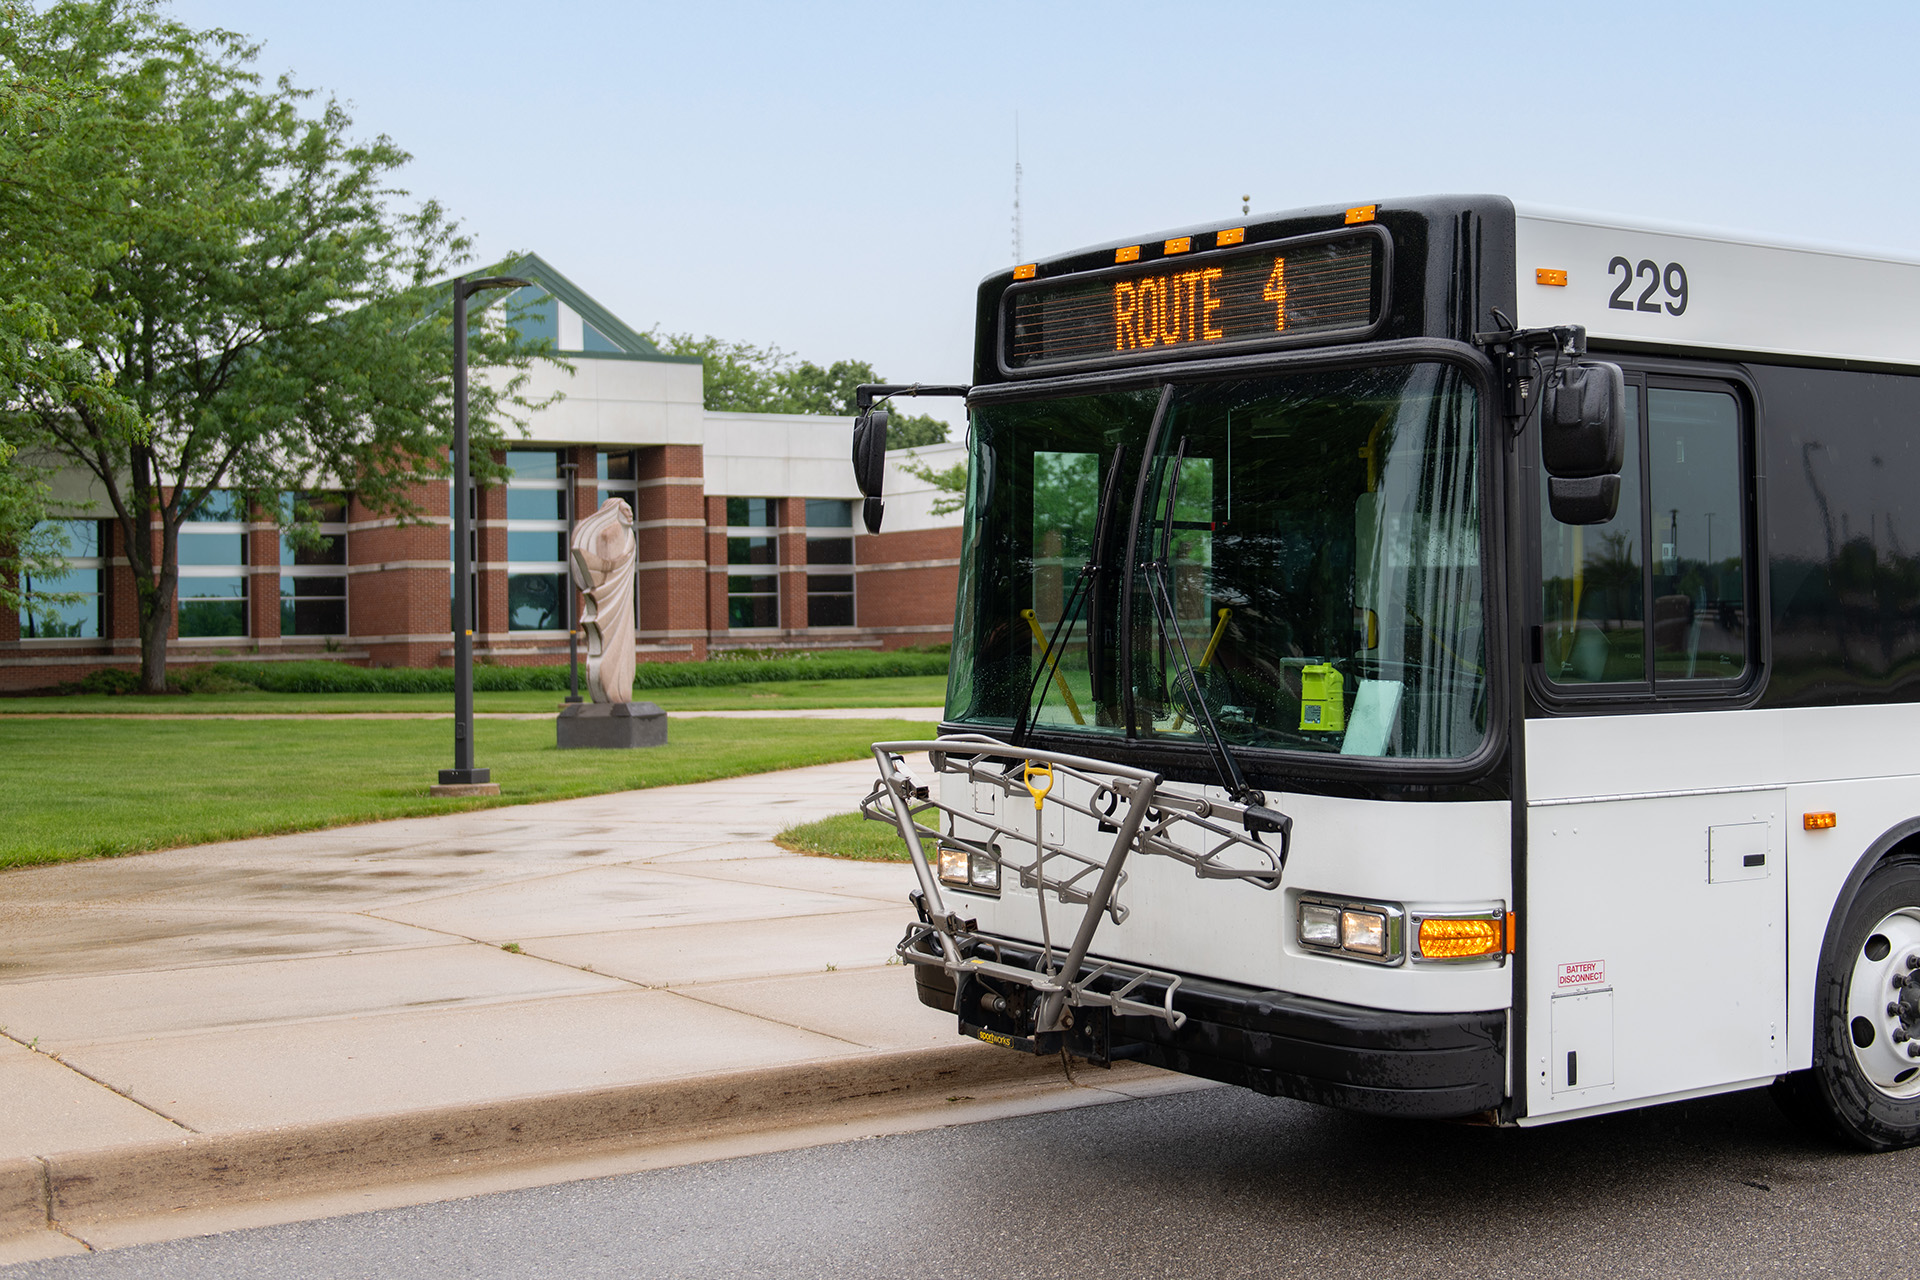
[1373, 1061]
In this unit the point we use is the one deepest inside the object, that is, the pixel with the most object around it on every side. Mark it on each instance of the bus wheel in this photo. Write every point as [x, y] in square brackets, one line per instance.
[1865, 1079]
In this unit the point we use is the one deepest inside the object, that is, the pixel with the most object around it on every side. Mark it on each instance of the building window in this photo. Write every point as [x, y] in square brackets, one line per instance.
[829, 562]
[618, 478]
[82, 576]
[536, 541]
[213, 567]
[313, 583]
[753, 558]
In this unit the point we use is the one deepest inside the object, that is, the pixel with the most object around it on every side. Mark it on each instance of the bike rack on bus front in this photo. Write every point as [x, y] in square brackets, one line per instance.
[1156, 819]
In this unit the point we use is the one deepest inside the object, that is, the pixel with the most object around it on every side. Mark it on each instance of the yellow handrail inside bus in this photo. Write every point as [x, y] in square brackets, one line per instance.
[1579, 584]
[1206, 660]
[1053, 666]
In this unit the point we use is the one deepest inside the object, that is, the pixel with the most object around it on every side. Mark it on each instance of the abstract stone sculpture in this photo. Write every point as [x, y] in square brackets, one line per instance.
[603, 556]
[602, 559]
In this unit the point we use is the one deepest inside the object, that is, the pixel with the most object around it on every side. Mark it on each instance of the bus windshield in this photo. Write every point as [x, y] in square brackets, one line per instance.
[1306, 545]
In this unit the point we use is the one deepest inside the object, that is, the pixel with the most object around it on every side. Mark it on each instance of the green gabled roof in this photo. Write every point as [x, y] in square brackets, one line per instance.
[631, 343]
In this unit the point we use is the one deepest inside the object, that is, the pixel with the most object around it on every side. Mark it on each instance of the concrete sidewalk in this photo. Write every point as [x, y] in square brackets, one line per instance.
[283, 1016]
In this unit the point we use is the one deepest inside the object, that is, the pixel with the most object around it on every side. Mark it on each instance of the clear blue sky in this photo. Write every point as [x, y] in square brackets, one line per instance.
[834, 179]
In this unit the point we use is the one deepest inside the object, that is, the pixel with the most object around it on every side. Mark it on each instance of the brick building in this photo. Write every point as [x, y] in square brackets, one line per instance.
[747, 529]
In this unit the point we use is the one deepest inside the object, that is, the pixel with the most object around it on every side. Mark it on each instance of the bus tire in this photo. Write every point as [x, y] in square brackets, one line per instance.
[1864, 1085]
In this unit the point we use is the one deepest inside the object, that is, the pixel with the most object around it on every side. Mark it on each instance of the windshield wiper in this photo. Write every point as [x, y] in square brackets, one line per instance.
[1070, 614]
[1187, 684]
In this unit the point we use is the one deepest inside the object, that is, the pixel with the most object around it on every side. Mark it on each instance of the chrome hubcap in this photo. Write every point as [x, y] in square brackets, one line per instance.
[1883, 1005]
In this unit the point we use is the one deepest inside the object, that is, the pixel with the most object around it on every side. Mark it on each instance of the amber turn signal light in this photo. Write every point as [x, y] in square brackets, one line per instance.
[1547, 275]
[1457, 939]
[1820, 821]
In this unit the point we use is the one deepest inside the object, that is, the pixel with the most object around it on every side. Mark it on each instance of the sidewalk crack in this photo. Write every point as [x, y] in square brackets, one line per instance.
[778, 1022]
[46, 1194]
[33, 1046]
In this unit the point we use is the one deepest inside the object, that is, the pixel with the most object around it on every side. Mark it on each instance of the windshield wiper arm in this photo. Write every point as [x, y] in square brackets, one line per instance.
[1187, 685]
[1102, 518]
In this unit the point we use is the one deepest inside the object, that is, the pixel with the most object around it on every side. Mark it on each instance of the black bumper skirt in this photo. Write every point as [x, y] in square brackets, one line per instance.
[1412, 1065]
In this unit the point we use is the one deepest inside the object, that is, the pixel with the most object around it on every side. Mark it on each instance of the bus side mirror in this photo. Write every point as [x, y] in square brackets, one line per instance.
[1583, 441]
[870, 452]
[870, 464]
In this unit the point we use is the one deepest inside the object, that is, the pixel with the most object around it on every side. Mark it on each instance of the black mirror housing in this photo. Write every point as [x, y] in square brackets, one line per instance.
[1583, 421]
[1586, 500]
[871, 512]
[870, 452]
[1583, 440]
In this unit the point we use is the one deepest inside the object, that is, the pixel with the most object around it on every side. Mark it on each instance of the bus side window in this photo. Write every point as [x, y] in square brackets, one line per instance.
[1592, 601]
[1698, 535]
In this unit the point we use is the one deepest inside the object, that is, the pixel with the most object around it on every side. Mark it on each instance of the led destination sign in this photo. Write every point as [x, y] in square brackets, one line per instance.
[1260, 295]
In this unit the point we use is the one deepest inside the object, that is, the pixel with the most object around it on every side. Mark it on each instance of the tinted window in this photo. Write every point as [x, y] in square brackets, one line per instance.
[1592, 588]
[1699, 570]
[1842, 458]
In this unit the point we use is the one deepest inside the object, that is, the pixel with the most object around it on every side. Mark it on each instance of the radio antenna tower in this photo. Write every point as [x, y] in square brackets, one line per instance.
[1019, 251]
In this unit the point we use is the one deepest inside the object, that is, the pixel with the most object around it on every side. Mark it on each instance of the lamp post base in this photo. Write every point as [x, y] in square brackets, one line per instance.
[460, 790]
[465, 782]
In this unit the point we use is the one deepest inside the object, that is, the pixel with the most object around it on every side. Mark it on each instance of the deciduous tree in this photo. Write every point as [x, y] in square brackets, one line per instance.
[257, 310]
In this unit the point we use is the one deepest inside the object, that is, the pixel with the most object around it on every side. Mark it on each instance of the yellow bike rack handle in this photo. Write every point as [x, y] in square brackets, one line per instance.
[1039, 780]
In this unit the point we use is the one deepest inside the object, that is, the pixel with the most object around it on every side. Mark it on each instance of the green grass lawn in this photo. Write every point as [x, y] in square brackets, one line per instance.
[95, 788]
[885, 691]
[846, 835]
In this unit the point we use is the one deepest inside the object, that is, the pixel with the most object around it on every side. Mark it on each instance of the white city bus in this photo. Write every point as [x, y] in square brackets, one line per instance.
[1438, 658]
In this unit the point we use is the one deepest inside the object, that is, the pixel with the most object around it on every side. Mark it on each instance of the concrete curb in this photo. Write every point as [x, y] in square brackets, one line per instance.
[84, 1187]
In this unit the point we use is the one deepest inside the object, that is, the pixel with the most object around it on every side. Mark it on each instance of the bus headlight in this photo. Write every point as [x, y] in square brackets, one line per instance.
[1364, 932]
[1319, 925]
[963, 870]
[953, 865]
[1370, 931]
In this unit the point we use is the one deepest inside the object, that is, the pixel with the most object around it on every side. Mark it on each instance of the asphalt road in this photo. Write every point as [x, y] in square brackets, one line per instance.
[1218, 1183]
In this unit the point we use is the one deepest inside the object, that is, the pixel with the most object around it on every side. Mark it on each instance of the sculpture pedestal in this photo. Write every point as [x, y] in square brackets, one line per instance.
[611, 725]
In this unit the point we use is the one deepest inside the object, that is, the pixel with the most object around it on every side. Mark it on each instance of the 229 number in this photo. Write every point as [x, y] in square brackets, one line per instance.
[1674, 278]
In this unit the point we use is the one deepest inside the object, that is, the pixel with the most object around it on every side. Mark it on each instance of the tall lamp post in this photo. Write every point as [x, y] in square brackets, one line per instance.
[463, 778]
[570, 471]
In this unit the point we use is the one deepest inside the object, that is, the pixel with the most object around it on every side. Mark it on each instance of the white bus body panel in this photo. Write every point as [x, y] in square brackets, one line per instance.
[1642, 905]
[1427, 856]
[1743, 295]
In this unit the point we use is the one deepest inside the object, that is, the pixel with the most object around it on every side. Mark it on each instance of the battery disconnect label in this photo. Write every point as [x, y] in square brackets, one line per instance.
[1581, 973]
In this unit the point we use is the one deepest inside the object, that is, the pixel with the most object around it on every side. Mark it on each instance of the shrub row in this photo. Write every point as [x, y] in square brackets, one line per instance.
[338, 677]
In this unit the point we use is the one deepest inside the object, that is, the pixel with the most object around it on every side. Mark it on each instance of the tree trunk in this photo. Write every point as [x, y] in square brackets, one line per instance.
[156, 616]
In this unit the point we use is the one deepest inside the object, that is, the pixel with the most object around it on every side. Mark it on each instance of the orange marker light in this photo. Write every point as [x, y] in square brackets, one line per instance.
[1442, 939]
[1362, 213]
[1179, 244]
[1129, 254]
[1234, 236]
[1025, 271]
[1509, 933]
[1547, 275]
[1821, 821]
